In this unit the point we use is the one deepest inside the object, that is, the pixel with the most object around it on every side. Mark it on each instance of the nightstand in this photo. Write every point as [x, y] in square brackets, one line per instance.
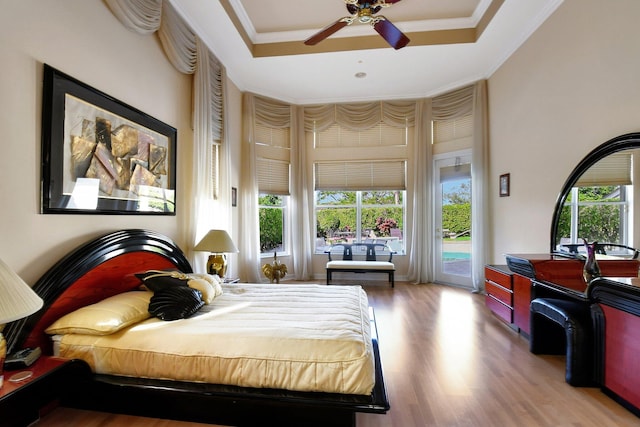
[22, 403]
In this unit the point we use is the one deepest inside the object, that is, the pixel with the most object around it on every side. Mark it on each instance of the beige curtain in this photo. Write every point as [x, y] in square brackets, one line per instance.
[480, 185]
[249, 260]
[421, 232]
[302, 225]
[276, 114]
[359, 116]
[189, 55]
[472, 100]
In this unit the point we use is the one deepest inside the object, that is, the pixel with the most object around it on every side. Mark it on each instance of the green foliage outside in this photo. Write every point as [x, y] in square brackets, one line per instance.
[271, 221]
[456, 218]
[596, 222]
[340, 215]
[379, 220]
[456, 209]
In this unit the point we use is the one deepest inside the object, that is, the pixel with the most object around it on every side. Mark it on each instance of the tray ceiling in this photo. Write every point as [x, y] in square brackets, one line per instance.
[453, 43]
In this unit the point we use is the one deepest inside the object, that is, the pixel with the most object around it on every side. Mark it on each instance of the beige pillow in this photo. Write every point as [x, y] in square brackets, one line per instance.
[105, 317]
[207, 284]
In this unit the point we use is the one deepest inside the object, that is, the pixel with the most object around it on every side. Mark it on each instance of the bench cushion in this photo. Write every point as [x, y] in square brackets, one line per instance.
[360, 265]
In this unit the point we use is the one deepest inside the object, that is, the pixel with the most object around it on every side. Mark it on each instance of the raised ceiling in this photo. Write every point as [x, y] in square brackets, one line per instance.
[453, 43]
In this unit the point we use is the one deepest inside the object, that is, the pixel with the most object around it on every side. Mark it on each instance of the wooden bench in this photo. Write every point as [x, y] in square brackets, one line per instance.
[360, 258]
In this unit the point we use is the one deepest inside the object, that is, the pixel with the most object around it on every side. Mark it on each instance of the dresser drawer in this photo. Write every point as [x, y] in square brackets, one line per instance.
[501, 278]
[499, 293]
[499, 309]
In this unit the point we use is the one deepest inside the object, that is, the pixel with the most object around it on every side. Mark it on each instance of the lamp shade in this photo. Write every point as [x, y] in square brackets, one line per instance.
[216, 241]
[17, 299]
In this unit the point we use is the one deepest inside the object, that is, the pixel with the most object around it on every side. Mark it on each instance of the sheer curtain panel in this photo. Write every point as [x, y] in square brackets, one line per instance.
[189, 55]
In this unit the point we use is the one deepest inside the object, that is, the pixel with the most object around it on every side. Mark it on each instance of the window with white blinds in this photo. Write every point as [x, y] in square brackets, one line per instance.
[452, 130]
[273, 176]
[273, 157]
[381, 135]
[360, 175]
[615, 169]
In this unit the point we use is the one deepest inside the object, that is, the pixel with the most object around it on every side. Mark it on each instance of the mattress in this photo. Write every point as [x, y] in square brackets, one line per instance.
[295, 337]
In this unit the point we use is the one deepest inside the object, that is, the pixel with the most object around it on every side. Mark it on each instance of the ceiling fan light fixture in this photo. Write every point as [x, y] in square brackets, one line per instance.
[363, 11]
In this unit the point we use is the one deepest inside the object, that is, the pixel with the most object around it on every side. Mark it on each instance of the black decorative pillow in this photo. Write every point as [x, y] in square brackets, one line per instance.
[177, 302]
[156, 280]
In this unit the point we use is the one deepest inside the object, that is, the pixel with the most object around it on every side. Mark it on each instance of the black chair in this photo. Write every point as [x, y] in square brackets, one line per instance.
[564, 327]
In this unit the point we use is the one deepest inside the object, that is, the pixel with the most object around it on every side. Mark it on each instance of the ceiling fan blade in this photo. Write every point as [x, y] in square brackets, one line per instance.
[391, 33]
[326, 32]
[391, 1]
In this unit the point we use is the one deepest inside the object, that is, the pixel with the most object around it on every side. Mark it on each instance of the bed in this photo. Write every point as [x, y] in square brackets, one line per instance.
[248, 384]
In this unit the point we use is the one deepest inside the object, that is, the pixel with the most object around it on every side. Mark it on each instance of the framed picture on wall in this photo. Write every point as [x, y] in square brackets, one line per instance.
[504, 184]
[102, 156]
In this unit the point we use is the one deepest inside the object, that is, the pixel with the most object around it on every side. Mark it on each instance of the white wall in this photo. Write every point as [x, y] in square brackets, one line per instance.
[572, 86]
[84, 40]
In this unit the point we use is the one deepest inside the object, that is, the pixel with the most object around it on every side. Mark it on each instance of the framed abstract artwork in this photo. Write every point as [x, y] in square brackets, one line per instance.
[102, 156]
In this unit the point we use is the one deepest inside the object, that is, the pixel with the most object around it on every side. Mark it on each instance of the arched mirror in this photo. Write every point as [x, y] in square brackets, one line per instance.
[597, 200]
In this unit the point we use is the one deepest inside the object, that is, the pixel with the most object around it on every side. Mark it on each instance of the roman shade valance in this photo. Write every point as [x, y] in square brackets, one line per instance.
[363, 175]
[614, 169]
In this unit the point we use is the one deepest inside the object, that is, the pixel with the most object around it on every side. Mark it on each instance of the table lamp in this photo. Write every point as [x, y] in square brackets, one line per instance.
[17, 300]
[218, 243]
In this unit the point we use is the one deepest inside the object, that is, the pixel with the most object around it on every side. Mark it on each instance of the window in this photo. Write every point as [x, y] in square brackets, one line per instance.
[597, 213]
[360, 201]
[272, 212]
[359, 159]
[360, 216]
[273, 171]
[598, 208]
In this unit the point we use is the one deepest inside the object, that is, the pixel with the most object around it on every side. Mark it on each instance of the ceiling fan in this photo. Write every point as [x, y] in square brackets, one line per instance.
[363, 11]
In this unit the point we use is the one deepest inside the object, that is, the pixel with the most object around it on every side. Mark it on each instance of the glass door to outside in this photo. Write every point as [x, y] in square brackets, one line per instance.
[452, 254]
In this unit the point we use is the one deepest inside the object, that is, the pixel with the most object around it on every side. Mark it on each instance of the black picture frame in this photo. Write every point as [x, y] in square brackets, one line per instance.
[102, 156]
[234, 196]
[505, 183]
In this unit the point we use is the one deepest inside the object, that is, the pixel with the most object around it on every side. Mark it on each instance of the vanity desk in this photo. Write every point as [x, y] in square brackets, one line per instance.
[557, 276]
[614, 300]
[608, 309]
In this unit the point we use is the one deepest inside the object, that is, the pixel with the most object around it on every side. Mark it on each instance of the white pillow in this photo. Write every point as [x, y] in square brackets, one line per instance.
[105, 317]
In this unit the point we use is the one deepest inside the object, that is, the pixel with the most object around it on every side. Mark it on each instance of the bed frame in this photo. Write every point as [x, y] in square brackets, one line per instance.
[105, 267]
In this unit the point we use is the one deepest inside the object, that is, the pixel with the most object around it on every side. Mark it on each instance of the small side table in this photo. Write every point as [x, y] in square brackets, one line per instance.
[21, 403]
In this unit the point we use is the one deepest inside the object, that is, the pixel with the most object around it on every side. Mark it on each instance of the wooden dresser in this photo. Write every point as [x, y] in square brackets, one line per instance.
[498, 283]
[510, 288]
[508, 296]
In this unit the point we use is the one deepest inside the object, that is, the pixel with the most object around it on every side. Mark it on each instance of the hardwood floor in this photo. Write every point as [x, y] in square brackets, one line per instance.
[447, 362]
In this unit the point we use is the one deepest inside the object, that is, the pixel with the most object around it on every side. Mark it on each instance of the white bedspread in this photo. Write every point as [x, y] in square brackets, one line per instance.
[296, 337]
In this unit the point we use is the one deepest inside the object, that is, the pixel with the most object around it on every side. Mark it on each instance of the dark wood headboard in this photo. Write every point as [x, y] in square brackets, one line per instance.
[96, 270]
